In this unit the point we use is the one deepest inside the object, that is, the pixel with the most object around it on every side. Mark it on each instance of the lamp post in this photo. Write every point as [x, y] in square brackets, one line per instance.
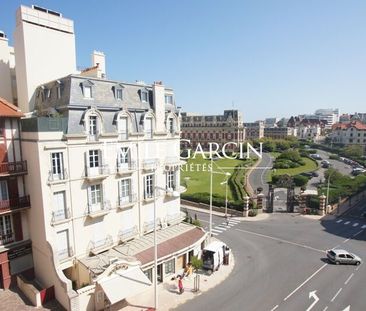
[327, 199]
[211, 174]
[172, 193]
[225, 183]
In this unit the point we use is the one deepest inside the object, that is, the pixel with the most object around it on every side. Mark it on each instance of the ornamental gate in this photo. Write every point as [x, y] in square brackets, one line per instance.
[281, 197]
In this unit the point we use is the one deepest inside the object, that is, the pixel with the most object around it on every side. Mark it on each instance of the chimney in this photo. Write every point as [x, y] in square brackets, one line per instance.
[98, 59]
[159, 106]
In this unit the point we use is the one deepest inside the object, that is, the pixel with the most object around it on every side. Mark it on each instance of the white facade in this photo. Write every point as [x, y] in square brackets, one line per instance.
[44, 45]
[7, 70]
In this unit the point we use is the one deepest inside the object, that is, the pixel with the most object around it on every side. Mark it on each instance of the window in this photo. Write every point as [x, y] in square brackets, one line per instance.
[93, 158]
[63, 244]
[170, 180]
[58, 90]
[171, 125]
[6, 232]
[4, 196]
[88, 91]
[95, 194]
[119, 94]
[169, 99]
[170, 266]
[59, 206]
[93, 125]
[57, 165]
[149, 186]
[149, 274]
[122, 128]
[125, 190]
[144, 96]
[148, 128]
[124, 155]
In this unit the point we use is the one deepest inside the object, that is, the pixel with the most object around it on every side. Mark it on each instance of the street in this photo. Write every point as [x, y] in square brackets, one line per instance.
[281, 264]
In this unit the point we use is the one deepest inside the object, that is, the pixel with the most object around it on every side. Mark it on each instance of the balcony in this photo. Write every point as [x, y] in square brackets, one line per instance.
[150, 164]
[149, 225]
[65, 254]
[98, 210]
[148, 134]
[122, 135]
[126, 168]
[127, 234]
[96, 173]
[175, 218]
[61, 216]
[13, 168]
[127, 202]
[6, 238]
[96, 247]
[58, 177]
[92, 137]
[15, 204]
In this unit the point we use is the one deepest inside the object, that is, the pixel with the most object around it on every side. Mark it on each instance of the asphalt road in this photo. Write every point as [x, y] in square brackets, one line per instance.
[258, 176]
[280, 262]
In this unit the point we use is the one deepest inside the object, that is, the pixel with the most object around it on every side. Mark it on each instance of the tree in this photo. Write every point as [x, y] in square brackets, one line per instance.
[353, 151]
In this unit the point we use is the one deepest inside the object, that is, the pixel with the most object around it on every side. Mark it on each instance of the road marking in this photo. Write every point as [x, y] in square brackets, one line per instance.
[338, 221]
[349, 278]
[335, 296]
[214, 229]
[274, 308]
[213, 233]
[206, 221]
[355, 224]
[347, 222]
[283, 241]
[220, 228]
[316, 299]
[307, 280]
[359, 232]
[357, 268]
[363, 227]
[326, 308]
[345, 241]
[235, 221]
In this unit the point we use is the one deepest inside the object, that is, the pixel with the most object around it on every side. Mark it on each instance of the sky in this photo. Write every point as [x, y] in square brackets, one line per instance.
[267, 58]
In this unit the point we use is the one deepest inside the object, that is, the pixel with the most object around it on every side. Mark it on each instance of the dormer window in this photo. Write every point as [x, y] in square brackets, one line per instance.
[144, 96]
[169, 99]
[88, 91]
[87, 88]
[118, 91]
[119, 94]
[93, 124]
[148, 128]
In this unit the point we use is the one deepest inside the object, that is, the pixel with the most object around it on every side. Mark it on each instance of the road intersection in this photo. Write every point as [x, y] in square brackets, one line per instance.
[281, 264]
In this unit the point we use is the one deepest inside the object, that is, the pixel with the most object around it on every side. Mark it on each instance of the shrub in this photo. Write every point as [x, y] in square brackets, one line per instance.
[300, 180]
[196, 223]
[196, 262]
[252, 213]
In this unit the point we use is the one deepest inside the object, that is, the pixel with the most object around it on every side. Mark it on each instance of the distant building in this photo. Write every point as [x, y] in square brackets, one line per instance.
[331, 116]
[352, 133]
[204, 129]
[309, 129]
[279, 132]
[270, 122]
[254, 130]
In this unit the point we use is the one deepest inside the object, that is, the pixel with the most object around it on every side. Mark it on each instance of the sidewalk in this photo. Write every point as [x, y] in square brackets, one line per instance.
[168, 296]
[261, 216]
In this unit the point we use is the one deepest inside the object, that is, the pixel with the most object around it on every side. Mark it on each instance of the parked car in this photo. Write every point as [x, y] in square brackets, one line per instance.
[358, 171]
[341, 256]
[316, 156]
[314, 174]
[307, 174]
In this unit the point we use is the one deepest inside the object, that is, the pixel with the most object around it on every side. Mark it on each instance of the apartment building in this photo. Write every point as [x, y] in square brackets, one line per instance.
[99, 152]
[254, 130]
[15, 244]
[308, 129]
[204, 129]
[279, 132]
[351, 133]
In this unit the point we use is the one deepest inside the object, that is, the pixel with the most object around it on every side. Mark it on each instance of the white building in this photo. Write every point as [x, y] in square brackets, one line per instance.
[351, 133]
[44, 43]
[7, 70]
[96, 150]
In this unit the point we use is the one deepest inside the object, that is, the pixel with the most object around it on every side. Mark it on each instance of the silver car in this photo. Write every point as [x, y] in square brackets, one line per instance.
[340, 256]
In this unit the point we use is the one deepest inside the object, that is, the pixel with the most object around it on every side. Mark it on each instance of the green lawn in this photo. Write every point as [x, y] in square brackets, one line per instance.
[310, 165]
[199, 177]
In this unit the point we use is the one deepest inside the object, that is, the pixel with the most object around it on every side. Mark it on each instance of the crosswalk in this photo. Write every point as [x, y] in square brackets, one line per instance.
[350, 223]
[224, 226]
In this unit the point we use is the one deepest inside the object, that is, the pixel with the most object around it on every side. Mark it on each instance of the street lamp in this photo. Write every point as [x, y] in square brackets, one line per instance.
[172, 193]
[327, 199]
[211, 174]
[225, 183]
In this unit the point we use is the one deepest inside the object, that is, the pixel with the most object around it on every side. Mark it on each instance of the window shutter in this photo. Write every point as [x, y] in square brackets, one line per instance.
[86, 154]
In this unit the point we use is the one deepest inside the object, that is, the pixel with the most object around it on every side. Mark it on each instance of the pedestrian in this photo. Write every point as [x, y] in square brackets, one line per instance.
[180, 285]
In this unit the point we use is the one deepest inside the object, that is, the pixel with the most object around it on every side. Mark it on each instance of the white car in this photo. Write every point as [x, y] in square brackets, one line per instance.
[341, 256]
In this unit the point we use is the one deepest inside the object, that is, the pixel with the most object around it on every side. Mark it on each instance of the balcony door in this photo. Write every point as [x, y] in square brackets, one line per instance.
[4, 194]
[124, 158]
[63, 244]
[95, 198]
[59, 206]
[94, 162]
[125, 190]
